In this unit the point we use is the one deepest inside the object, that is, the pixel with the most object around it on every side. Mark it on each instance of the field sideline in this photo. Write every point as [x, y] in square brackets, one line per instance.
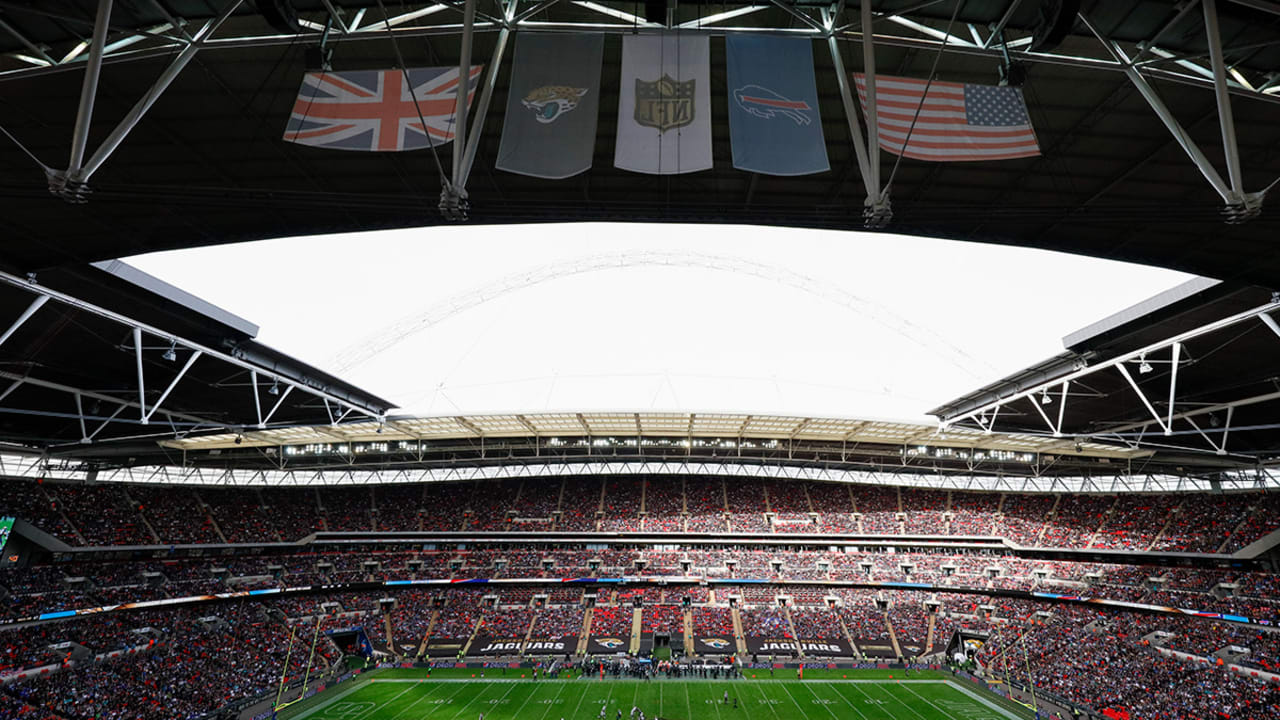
[408, 695]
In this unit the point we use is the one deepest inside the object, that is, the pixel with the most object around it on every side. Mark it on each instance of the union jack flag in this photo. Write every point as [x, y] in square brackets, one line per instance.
[374, 110]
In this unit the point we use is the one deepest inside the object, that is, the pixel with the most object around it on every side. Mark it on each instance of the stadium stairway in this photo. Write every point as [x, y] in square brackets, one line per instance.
[635, 630]
[584, 637]
[528, 633]
[1052, 512]
[893, 636]
[1168, 523]
[847, 636]
[472, 637]
[431, 625]
[738, 635]
[791, 625]
[687, 624]
[1106, 518]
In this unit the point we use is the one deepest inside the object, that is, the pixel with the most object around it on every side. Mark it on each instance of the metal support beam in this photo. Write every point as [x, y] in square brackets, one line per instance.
[1143, 396]
[164, 395]
[1173, 385]
[130, 120]
[482, 107]
[1225, 119]
[464, 88]
[38, 51]
[25, 316]
[1162, 111]
[257, 397]
[1261, 312]
[89, 88]
[850, 111]
[873, 130]
[142, 388]
[276, 407]
[998, 27]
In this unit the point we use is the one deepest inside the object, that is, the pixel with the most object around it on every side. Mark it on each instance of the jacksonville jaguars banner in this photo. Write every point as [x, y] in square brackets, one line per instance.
[607, 645]
[722, 645]
[550, 124]
[771, 646]
[664, 105]
[774, 126]
[484, 645]
[825, 647]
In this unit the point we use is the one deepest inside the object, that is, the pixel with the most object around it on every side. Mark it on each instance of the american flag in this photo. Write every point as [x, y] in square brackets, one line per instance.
[957, 121]
[373, 110]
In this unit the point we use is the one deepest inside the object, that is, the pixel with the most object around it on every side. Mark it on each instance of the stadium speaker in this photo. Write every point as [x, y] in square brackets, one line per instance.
[1056, 19]
[280, 15]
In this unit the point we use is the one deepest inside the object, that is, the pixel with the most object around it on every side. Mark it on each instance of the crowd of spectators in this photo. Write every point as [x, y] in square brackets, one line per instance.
[747, 504]
[712, 622]
[662, 619]
[128, 514]
[820, 623]
[765, 622]
[611, 621]
[558, 622]
[879, 508]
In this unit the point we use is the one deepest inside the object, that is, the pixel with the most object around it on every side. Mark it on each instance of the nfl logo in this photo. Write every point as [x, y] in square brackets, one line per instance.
[664, 104]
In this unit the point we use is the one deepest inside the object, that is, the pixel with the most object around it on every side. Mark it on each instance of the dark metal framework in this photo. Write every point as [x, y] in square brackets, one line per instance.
[1157, 122]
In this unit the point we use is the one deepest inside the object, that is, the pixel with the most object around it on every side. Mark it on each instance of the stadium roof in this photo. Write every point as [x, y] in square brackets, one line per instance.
[107, 354]
[558, 445]
[1192, 371]
[1122, 97]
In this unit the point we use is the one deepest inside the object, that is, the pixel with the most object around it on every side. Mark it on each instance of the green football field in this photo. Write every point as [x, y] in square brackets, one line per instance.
[407, 695]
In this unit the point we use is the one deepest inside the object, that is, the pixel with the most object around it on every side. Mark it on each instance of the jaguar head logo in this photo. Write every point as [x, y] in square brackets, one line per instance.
[549, 102]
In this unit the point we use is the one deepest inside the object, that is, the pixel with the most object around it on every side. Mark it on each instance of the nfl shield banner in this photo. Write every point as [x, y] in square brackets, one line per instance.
[664, 105]
[549, 128]
[376, 110]
[774, 126]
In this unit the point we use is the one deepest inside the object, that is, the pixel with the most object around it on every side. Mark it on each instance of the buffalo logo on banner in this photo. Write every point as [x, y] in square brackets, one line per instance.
[549, 102]
[716, 643]
[664, 103]
[609, 643]
[765, 103]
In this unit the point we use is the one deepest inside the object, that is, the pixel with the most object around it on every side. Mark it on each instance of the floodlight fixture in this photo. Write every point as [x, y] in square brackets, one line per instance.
[171, 353]
[1144, 367]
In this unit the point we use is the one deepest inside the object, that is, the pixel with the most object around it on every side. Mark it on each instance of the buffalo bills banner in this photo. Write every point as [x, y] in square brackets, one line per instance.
[722, 645]
[549, 129]
[607, 644]
[771, 646]
[774, 126]
[664, 105]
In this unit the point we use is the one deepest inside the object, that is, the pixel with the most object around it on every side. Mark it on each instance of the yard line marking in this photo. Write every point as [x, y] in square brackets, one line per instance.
[575, 707]
[793, 698]
[815, 697]
[553, 699]
[930, 704]
[880, 686]
[713, 704]
[966, 692]
[347, 691]
[376, 706]
[477, 697]
[851, 705]
[425, 695]
[765, 697]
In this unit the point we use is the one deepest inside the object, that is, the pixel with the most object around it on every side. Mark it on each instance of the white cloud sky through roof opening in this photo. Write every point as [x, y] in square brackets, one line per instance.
[659, 317]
